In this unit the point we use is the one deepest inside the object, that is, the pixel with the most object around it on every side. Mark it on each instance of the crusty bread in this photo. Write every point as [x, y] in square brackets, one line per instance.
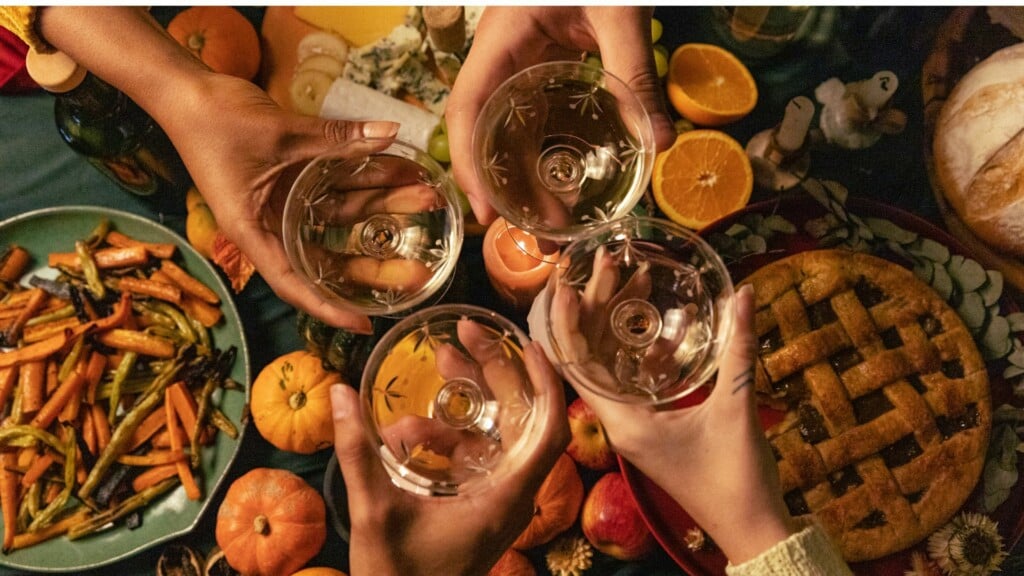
[979, 149]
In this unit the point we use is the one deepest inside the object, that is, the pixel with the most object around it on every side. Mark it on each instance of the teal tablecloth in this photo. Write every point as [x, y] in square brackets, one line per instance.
[38, 170]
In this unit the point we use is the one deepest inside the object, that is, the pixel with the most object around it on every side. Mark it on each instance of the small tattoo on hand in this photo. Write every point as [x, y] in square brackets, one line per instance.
[743, 379]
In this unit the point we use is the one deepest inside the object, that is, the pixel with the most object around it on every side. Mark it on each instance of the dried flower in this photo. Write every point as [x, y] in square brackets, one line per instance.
[695, 539]
[569, 556]
[969, 545]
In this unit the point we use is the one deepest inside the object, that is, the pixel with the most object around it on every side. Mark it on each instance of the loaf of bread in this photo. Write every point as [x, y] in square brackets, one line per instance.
[979, 149]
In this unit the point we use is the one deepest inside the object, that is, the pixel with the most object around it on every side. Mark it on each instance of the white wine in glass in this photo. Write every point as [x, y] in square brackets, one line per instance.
[563, 146]
[447, 399]
[639, 311]
[374, 226]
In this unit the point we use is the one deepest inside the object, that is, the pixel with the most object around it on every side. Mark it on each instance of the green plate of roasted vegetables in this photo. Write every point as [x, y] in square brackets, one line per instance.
[123, 378]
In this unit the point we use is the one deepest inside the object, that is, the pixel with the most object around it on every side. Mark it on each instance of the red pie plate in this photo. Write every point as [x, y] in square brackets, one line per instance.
[671, 524]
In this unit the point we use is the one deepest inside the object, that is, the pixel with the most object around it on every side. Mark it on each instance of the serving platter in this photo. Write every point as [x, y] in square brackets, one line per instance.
[768, 231]
[173, 514]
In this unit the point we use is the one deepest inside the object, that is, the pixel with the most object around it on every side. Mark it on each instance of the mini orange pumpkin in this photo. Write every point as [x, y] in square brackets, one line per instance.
[291, 403]
[270, 523]
[556, 505]
[221, 37]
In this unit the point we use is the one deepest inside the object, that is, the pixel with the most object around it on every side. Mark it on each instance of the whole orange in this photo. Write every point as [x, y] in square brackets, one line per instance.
[221, 37]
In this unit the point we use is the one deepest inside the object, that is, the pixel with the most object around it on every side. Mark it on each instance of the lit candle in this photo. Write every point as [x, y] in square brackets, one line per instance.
[515, 263]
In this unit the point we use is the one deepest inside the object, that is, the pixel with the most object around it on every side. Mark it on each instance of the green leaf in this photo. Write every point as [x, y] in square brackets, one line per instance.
[942, 283]
[1016, 357]
[996, 340]
[1012, 371]
[933, 251]
[972, 310]
[886, 229]
[924, 270]
[1016, 321]
[992, 290]
[969, 276]
[777, 223]
[755, 244]
[736, 230]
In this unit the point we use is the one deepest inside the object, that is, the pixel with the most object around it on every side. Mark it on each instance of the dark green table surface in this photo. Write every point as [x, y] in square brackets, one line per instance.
[38, 170]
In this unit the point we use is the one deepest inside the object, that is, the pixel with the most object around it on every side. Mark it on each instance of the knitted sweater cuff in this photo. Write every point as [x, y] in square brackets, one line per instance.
[808, 552]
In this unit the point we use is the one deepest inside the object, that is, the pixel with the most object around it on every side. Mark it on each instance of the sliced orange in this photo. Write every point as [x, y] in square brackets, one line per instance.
[704, 176]
[710, 86]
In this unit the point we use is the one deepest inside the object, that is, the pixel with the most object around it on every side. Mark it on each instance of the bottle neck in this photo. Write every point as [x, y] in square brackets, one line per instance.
[93, 94]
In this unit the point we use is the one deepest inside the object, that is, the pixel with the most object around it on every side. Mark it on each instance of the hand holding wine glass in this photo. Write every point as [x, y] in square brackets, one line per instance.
[398, 532]
[510, 39]
[711, 458]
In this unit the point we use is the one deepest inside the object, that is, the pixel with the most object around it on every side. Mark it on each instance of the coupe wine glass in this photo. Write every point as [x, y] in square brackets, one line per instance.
[639, 310]
[374, 226]
[447, 399]
[561, 147]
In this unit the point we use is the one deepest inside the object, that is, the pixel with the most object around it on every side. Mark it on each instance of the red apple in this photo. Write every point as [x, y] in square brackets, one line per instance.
[588, 446]
[612, 522]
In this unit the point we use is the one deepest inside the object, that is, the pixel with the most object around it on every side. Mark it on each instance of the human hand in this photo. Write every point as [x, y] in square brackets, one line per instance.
[241, 149]
[713, 458]
[509, 39]
[397, 532]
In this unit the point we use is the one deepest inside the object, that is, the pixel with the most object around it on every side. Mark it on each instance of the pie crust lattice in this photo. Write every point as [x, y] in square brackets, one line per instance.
[886, 398]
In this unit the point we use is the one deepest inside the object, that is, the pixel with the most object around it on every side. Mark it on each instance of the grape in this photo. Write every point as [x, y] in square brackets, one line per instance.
[438, 149]
[656, 30]
[661, 62]
[593, 60]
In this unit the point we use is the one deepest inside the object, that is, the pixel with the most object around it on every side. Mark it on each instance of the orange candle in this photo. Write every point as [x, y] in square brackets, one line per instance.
[515, 264]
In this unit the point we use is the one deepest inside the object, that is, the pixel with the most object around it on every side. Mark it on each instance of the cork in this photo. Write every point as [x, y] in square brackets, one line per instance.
[446, 26]
[55, 72]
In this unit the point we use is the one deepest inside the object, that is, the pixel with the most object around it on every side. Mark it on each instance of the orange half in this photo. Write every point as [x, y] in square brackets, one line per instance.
[704, 176]
[709, 85]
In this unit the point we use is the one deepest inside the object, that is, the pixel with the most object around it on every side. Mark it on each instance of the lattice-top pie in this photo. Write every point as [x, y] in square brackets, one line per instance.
[886, 395]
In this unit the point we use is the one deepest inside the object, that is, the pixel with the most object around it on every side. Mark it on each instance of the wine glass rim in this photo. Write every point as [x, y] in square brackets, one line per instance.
[725, 321]
[383, 347]
[642, 130]
[374, 146]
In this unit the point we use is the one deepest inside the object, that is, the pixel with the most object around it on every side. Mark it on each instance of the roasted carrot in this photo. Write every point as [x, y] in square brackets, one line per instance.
[165, 292]
[58, 528]
[184, 404]
[8, 378]
[36, 469]
[139, 342]
[152, 458]
[183, 467]
[35, 303]
[207, 314]
[34, 351]
[105, 258]
[8, 496]
[32, 379]
[66, 392]
[162, 438]
[99, 422]
[52, 377]
[13, 262]
[153, 476]
[160, 250]
[93, 374]
[88, 431]
[38, 332]
[146, 429]
[189, 283]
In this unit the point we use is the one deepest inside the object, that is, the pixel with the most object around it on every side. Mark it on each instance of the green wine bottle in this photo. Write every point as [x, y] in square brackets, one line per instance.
[112, 132]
